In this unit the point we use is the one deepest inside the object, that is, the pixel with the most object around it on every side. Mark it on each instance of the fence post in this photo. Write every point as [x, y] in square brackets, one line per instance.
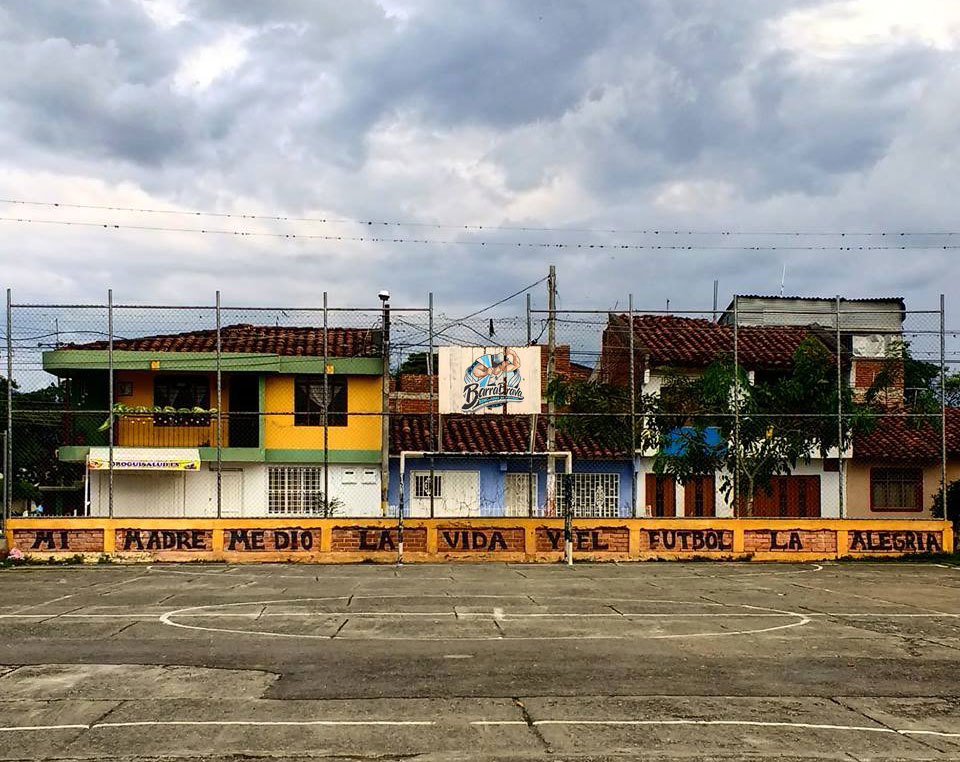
[219, 415]
[943, 409]
[551, 369]
[385, 411]
[531, 487]
[568, 517]
[633, 418]
[326, 406]
[8, 440]
[430, 369]
[841, 470]
[736, 406]
[110, 400]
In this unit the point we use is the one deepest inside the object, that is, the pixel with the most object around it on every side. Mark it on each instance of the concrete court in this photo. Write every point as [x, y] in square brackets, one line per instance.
[481, 662]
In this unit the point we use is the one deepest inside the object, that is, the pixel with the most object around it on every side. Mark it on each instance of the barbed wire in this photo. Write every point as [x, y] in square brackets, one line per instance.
[659, 231]
[483, 244]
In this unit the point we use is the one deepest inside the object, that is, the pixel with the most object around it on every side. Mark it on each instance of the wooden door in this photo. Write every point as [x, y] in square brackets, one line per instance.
[699, 497]
[661, 496]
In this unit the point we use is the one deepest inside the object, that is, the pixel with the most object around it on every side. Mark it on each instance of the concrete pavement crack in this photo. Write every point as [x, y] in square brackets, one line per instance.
[880, 722]
[342, 625]
[530, 724]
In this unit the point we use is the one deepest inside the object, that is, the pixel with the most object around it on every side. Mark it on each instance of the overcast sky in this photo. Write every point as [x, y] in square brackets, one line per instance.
[708, 115]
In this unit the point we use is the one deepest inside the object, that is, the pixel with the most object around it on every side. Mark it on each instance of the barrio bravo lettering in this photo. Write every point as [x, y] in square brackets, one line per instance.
[475, 396]
[689, 539]
[895, 541]
[164, 539]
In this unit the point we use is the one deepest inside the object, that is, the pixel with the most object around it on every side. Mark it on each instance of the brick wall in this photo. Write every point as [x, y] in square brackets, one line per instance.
[58, 540]
[374, 539]
[788, 540]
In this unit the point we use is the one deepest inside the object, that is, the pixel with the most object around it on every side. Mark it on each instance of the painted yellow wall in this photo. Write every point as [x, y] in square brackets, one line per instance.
[858, 489]
[139, 431]
[360, 433]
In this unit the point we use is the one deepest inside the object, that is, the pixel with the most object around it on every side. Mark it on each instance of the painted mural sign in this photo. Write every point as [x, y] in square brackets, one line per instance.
[894, 541]
[489, 379]
[687, 540]
[602, 540]
[377, 539]
[480, 540]
[58, 540]
[287, 540]
[790, 541]
[176, 540]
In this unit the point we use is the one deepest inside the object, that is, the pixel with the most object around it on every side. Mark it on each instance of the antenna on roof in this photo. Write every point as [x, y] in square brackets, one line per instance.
[783, 278]
[716, 286]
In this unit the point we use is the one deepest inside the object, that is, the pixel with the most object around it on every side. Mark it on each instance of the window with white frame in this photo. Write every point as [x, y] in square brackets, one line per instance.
[296, 490]
[421, 485]
[592, 494]
[520, 493]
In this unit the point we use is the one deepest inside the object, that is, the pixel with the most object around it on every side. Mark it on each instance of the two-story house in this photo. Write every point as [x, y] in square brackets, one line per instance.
[165, 426]
[667, 345]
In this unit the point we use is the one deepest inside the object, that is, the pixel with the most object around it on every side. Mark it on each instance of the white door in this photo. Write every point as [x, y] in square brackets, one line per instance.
[456, 493]
[231, 493]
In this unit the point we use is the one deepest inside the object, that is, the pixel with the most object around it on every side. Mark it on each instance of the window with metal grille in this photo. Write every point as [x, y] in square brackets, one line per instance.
[295, 490]
[896, 489]
[421, 485]
[592, 494]
[520, 493]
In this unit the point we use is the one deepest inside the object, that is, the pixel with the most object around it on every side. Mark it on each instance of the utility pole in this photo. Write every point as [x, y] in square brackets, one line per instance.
[551, 370]
[385, 405]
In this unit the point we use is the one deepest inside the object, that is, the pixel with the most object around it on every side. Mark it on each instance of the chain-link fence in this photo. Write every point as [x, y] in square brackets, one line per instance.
[771, 407]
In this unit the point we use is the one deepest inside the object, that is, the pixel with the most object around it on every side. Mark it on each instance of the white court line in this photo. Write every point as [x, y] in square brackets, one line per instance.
[497, 614]
[14, 728]
[733, 723]
[219, 723]
[168, 619]
[486, 723]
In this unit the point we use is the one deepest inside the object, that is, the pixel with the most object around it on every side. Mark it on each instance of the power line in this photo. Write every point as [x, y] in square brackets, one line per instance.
[484, 244]
[664, 231]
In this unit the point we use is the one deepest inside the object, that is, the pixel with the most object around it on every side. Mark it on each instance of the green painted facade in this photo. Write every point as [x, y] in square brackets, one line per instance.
[62, 362]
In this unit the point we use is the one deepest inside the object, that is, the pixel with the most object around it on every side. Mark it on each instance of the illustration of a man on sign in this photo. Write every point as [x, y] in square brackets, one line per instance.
[492, 381]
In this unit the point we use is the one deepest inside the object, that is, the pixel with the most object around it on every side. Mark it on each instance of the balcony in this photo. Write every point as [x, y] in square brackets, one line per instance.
[167, 430]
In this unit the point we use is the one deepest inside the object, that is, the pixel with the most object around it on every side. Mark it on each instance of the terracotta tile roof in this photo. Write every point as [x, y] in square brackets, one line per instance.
[696, 342]
[487, 433]
[258, 339]
[905, 439]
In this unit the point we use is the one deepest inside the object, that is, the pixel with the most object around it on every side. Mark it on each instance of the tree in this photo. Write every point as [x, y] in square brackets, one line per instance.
[953, 503]
[416, 362]
[593, 410]
[38, 424]
[921, 381]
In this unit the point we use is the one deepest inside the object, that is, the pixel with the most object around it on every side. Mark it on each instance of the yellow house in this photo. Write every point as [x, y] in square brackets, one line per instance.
[279, 454]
